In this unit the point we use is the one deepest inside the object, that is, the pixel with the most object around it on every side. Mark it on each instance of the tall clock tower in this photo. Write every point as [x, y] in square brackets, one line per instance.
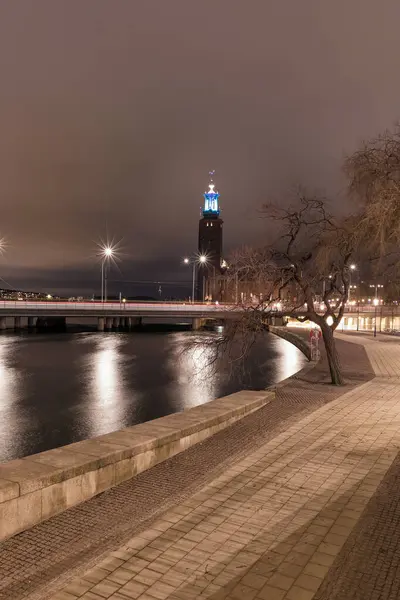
[210, 240]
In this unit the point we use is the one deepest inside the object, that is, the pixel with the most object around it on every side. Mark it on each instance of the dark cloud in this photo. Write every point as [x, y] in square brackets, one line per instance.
[112, 113]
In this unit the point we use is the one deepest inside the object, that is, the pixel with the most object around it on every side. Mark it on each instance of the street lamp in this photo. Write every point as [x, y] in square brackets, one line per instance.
[376, 302]
[352, 267]
[376, 286]
[107, 253]
[197, 260]
[2, 246]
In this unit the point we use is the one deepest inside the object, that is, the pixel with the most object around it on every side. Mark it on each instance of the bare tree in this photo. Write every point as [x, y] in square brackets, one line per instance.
[304, 274]
[373, 172]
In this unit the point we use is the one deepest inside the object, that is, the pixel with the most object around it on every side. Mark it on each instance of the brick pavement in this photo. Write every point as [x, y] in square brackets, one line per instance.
[41, 559]
[368, 565]
[271, 526]
[385, 360]
[273, 523]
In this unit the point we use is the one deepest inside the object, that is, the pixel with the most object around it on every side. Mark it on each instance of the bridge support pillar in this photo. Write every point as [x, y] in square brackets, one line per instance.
[3, 323]
[128, 322]
[31, 322]
[17, 323]
[109, 322]
[123, 323]
[136, 321]
[197, 323]
[116, 322]
[100, 324]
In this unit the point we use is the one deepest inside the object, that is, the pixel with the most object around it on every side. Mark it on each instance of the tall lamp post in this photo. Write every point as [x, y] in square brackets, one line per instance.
[352, 268]
[376, 286]
[376, 302]
[106, 256]
[2, 246]
[197, 260]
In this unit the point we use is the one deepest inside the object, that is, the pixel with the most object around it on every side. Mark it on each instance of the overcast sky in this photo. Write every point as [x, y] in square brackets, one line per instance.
[113, 112]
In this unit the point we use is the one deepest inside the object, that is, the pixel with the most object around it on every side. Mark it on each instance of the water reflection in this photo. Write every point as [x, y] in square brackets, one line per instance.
[10, 384]
[292, 361]
[58, 389]
[106, 395]
[9, 379]
[193, 362]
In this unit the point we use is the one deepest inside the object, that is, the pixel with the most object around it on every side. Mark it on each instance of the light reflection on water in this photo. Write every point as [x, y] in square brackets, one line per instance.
[10, 384]
[106, 384]
[293, 362]
[193, 365]
[56, 389]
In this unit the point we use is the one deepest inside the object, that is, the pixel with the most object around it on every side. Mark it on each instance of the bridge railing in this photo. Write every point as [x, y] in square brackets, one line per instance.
[171, 307]
[21, 305]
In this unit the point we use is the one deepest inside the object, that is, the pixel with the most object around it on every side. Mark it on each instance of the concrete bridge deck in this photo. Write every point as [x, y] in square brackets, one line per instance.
[356, 317]
[193, 308]
[123, 309]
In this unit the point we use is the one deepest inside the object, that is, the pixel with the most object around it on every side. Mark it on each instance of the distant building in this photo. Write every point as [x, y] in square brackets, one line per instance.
[21, 295]
[210, 245]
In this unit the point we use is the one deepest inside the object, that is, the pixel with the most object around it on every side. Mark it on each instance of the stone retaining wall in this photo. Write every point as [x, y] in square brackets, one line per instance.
[291, 337]
[37, 487]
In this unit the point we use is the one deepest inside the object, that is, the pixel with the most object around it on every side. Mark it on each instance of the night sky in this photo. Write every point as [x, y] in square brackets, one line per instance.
[113, 112]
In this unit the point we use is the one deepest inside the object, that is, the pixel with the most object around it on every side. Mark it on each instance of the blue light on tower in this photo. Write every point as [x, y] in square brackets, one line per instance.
[211, 207]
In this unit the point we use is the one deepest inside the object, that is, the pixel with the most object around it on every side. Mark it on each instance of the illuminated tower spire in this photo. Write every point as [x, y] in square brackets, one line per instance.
[210, 245]
[211, 207]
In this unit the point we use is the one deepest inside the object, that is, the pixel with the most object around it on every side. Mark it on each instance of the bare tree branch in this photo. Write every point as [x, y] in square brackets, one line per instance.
[304, 274]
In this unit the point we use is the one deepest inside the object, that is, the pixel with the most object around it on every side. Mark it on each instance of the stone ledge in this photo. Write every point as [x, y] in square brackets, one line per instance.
[293, 338]
[37, 487]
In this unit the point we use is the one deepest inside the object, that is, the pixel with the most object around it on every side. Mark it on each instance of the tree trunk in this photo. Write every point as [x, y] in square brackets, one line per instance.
[332, 355]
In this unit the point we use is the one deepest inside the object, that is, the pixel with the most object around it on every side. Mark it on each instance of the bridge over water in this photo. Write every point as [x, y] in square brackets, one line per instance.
[126, 314]
[114, 314]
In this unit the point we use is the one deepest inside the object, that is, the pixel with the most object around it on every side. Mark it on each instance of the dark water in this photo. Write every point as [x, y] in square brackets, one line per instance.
[60, 388]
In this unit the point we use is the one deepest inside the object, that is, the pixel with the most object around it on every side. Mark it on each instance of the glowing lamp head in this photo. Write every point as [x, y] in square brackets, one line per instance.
[108, 252]
[353, 267]
[203, 259]
[186, 261]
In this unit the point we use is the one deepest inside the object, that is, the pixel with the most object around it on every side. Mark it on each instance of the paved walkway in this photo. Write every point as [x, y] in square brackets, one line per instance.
[368, 564]
[384, 360]
[271, 526]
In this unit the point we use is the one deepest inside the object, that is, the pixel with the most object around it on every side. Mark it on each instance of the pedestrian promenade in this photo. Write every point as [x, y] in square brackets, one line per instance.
[384, 359]
[271, 526]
